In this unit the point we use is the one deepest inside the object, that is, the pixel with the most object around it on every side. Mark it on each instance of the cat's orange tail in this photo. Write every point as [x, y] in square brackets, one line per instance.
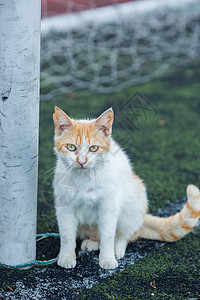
[175, 227]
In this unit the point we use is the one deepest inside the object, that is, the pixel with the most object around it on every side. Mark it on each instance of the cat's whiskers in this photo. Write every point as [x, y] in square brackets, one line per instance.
[53, 168]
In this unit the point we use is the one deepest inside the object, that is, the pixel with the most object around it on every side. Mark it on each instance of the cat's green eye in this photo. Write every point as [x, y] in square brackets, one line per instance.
[71, 147]
[94, 148]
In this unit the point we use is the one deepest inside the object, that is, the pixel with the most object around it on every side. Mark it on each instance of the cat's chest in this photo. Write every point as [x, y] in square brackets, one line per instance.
[87, 190]
[86, 213]
[88, 194]
[87, 201]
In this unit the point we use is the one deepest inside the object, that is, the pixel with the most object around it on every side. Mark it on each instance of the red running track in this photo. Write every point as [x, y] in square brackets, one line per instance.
[57, 7]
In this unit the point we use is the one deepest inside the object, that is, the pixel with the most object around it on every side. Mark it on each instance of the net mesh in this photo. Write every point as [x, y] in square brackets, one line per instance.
[108, 56]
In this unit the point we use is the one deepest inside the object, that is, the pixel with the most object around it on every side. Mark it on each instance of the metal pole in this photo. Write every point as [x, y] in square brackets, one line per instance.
[19, 123]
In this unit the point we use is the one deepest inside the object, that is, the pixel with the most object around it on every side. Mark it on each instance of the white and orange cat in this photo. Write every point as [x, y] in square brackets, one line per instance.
[98, 197]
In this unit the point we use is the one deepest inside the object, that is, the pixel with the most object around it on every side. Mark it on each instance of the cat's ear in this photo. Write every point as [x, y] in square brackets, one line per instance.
[61, 121]
[105, 121]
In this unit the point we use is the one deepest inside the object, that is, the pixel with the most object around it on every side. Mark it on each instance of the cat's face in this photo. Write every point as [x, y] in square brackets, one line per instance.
[81, 144]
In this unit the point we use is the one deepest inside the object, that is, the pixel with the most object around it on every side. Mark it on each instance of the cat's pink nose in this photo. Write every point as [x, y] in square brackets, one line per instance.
[81, 164]
[81, 160]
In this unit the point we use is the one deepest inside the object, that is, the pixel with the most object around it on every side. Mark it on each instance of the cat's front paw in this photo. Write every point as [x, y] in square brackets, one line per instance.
[108, 263]
[89, 245]
[67, 262]
[119, 252]
[120, 248]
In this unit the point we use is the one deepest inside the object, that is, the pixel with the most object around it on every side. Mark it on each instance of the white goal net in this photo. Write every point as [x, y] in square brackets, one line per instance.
[108, 49]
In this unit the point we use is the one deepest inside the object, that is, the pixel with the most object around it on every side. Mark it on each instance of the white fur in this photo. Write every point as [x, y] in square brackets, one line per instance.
[104, 194]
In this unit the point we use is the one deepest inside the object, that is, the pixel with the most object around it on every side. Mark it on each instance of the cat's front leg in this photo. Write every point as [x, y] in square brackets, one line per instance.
[67, 223]
[107, 230]
[120, 245]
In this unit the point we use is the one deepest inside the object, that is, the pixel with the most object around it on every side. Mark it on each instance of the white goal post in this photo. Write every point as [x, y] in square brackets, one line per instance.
[19, 124]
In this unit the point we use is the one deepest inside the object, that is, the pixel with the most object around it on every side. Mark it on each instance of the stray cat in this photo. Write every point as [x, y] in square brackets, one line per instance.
[99, 199]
